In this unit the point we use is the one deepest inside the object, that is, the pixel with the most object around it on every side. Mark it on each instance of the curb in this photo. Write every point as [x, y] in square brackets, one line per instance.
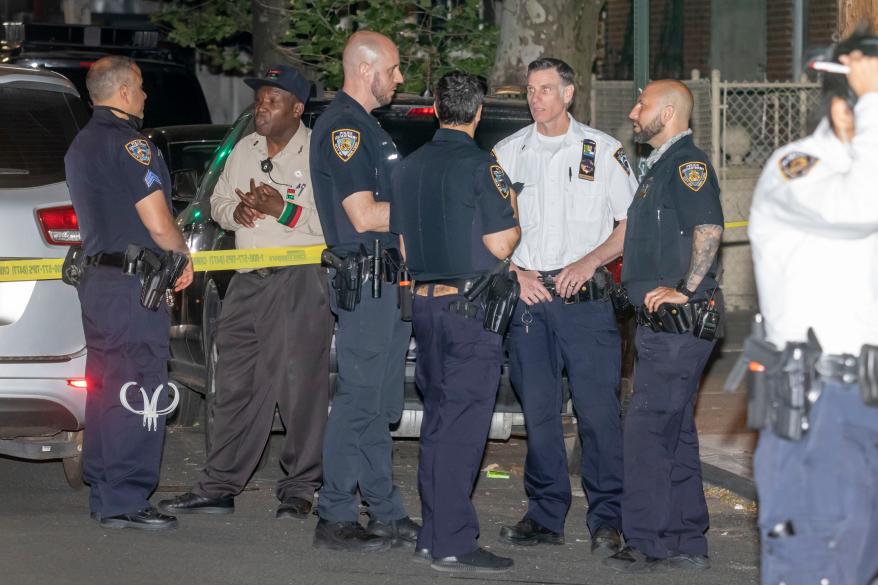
[737, 484]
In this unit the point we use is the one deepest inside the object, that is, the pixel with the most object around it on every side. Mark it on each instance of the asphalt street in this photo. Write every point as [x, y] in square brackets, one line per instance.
[47, 538]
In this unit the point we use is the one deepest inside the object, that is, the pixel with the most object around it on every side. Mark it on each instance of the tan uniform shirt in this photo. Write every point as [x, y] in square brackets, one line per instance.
[290, 175]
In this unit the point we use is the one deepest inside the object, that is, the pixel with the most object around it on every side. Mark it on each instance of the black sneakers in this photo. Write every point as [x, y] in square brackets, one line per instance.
[190, 503]
[690, 562]
[528, 532]
[400, 532]
[347, 536]
[147, 519]
[477, 561]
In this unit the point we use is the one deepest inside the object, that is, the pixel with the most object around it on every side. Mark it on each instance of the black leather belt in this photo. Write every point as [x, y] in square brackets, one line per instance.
[670, 318]
[112, 259]
[843, 368]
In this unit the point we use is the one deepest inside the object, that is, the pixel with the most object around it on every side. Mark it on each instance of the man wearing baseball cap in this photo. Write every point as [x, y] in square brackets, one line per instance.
[275, 326]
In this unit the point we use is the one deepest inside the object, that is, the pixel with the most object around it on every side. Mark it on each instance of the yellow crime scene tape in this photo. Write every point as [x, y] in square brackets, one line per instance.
[50, 268]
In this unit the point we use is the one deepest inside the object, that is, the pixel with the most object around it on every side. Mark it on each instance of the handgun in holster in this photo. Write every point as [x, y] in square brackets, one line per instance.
[157, 273]
[74, 264]
[502, 296]
[348, 278]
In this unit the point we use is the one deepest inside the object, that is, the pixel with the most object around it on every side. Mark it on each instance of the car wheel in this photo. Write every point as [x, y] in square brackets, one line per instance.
[191, 407]
[212, 357]
[73, 465]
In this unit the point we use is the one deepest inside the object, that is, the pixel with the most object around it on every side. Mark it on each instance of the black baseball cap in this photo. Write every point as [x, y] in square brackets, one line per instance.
[286, 78]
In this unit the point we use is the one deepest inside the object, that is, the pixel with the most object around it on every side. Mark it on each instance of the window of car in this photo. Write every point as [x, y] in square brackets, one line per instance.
[191, 155]
[242, 127]
[36, 128]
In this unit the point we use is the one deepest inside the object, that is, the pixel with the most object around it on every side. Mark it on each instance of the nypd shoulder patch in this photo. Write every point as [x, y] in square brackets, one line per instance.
[622, 159]
[796, 164]
[345, 143]
[139, 151]
[498, 176]
[693, 174]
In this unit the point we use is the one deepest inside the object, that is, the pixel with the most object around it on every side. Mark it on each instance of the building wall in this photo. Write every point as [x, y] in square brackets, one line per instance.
[821, 25]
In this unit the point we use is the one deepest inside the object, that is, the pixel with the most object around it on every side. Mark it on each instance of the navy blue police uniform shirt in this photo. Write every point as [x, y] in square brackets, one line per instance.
[350, 152]
[679, 192]
[110, 166]
[447, 195]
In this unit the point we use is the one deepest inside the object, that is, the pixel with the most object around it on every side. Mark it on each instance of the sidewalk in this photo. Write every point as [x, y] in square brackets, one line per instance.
[727, 445]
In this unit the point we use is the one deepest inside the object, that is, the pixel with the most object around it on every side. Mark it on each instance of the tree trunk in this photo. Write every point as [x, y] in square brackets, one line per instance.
[852, 12]
[564, 29]
[270, 24]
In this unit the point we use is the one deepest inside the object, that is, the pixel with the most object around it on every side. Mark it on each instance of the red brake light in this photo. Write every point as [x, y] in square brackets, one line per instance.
[59, 225]
[78, 383]
[428, 111]
[86, 64]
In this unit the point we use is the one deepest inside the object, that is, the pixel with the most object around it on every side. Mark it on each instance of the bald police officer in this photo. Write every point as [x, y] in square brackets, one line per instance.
[352, 158]
[120, 188]
[674, 228]
[453, 209]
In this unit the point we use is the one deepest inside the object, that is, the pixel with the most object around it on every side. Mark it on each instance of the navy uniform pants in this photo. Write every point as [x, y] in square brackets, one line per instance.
[458, 372]
[583, 339]
[818, 497]
[126, 343]
[371, 342]
[663, 508]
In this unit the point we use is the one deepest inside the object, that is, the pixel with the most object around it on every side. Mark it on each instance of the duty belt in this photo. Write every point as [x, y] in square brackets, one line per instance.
[441, 288]
[670, 318]
[590, 290]
[112, 259]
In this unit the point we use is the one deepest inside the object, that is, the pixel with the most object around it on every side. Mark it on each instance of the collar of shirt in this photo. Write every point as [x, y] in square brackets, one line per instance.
[658, 152]
[452, 135]
[297, 146]
[575, 133]
[347, 101]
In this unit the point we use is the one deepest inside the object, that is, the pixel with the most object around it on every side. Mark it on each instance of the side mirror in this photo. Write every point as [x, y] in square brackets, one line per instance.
[184, 185]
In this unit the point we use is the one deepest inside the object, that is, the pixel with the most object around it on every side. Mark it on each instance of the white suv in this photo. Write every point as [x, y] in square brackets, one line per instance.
[42, 348]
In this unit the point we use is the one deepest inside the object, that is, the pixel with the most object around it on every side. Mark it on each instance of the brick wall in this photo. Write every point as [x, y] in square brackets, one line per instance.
[822, 23]
[696, 35]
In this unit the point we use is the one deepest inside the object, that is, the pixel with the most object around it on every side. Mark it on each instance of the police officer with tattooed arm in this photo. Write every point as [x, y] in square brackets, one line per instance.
[813, 361]
[674, 227]
[120, 188]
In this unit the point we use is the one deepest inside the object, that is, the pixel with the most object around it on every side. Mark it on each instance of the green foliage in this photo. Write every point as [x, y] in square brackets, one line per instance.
[217, 28]
[432, 38]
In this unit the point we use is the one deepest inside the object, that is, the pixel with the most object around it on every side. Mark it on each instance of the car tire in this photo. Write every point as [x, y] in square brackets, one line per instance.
[191, 408]
[73, 465]
[211, 359]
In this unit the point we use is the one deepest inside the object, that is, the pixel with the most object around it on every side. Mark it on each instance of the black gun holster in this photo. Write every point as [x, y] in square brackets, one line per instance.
[348, 279]
[500, 302]
[74, 264]
[157, 272]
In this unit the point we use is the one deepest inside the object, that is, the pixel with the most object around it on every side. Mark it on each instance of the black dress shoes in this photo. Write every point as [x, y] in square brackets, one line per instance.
[606, 541]
[190, 503]
[477, 561]
[400, 532]
[294, 508]
[689, 562]
[631, 560]
[528, 532]
[148, 519]
[347, 536]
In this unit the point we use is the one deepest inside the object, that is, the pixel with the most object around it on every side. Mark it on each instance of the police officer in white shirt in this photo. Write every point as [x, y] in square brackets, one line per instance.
[814, 233]
[574, 185]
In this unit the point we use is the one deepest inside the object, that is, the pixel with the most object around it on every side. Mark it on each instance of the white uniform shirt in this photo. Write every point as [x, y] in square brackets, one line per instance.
[563, 215]
[814, 234]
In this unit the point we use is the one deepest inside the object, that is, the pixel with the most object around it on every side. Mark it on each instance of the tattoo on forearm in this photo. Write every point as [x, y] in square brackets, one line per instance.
[705, 244]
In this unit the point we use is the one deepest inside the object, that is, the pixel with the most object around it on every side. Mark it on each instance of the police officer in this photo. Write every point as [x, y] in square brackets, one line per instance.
[815, 216]
[674, 229]
[120, 188]
[576, 182]
[452, 207]
[352, 158]
[275, 328]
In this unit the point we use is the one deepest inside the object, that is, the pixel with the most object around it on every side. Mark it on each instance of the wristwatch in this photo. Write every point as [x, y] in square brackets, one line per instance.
[681, 288]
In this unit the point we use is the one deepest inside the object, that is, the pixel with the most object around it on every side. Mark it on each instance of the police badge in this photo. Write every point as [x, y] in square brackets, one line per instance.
[796, 164]
[499, 178]
[622, 159]
[345, 142]
[139, 151]
[693, 174]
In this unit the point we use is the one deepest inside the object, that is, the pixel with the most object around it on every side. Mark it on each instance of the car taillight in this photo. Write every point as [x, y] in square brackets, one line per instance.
[78, 383]
[59, 225]
[428, 111]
